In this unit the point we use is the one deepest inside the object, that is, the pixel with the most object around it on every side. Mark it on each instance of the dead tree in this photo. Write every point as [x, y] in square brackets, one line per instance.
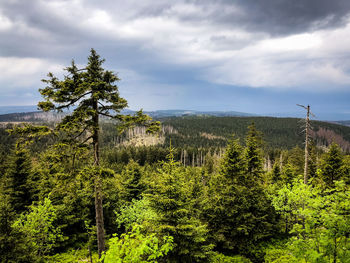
[307, 138]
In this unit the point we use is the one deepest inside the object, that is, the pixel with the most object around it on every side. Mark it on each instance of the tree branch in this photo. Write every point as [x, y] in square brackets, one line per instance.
[72, 102]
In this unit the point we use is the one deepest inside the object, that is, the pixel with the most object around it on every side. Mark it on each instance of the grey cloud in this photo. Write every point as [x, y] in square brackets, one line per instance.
[274, 17]
[65, 37]
[287, 17]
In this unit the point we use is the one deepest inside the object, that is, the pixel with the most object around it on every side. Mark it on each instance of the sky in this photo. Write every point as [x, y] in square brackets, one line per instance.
[252, 56]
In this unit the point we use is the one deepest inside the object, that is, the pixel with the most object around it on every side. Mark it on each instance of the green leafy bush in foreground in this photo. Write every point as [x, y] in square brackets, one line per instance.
[135, 247]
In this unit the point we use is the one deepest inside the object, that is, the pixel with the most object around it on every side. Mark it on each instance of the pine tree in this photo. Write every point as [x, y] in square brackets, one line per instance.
[236, 207]
[171, 198]
[7, 216]
[276, 172]
[132, 181]
[253, 151]
[332, 165]
[91, 92]
[16, 180]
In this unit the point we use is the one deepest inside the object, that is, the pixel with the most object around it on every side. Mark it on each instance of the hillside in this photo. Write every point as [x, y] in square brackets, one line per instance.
[197, 129]
[346, 123]
[209, 131]
[277, 132]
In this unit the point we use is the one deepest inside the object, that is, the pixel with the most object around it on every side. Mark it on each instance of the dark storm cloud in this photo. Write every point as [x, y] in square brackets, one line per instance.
[164, 46]
[56, 35]
[294, 16]
[275, 17]
[36, 31]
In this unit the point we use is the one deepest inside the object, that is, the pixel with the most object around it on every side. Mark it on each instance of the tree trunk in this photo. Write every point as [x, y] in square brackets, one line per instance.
[98, 185]
[307, 144]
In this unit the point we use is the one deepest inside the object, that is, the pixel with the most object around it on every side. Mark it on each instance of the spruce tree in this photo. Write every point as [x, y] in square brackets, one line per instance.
[90, 92]
[236, 208]
[132, 181]
[253, 151]
[16, 180]
[332, 165]
[276, 172]
[171, 197]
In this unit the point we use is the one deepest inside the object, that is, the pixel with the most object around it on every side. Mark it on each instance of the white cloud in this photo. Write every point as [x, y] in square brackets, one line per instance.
[182, 34]
[24, 72]
[5, 23]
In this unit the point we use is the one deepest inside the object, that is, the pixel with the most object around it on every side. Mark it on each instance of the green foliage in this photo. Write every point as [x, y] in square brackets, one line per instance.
[276, 173]
[132, 181]
[16, 180]
[236, 207]
[283, 133]
[221, 258]
[28, 133]
[39, 229]
[76, 255]
[8, 237]
[321, 223]
[139, 212]
[171, 197]
[253, 152]
[332, 165]
[135, 247]
[93, 91]
[233, 164]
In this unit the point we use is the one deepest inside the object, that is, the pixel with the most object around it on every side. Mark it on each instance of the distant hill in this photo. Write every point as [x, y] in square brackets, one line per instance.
[206, 129]
[38, 116]
[17, 109]
[346, 123]
[278, 132]
[178, 113]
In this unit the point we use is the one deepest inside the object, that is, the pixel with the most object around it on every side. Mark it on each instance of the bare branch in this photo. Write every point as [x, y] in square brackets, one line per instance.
[302, 106]
[73, 101]
[105, 114]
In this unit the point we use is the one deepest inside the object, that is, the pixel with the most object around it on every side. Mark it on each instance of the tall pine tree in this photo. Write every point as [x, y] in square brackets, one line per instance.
[90, 92]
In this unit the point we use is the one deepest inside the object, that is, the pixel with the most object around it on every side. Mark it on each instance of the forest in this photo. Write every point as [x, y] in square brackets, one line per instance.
[75, 191]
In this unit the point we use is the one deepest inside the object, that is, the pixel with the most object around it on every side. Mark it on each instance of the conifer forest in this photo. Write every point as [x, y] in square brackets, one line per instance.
[98, 184]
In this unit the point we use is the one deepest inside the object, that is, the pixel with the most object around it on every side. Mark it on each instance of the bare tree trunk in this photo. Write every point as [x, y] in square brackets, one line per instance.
[307, 134]
[185, 156]
[98, 185]
[307, 144]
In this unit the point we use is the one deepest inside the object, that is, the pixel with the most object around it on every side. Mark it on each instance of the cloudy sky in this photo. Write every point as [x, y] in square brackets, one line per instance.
[244, 55]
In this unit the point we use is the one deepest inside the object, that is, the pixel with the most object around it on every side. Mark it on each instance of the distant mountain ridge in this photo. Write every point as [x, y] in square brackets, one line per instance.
[31, 113]
[37, 116]
[17, 109]
[178, 113]
[204, 129]
[345, 123]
